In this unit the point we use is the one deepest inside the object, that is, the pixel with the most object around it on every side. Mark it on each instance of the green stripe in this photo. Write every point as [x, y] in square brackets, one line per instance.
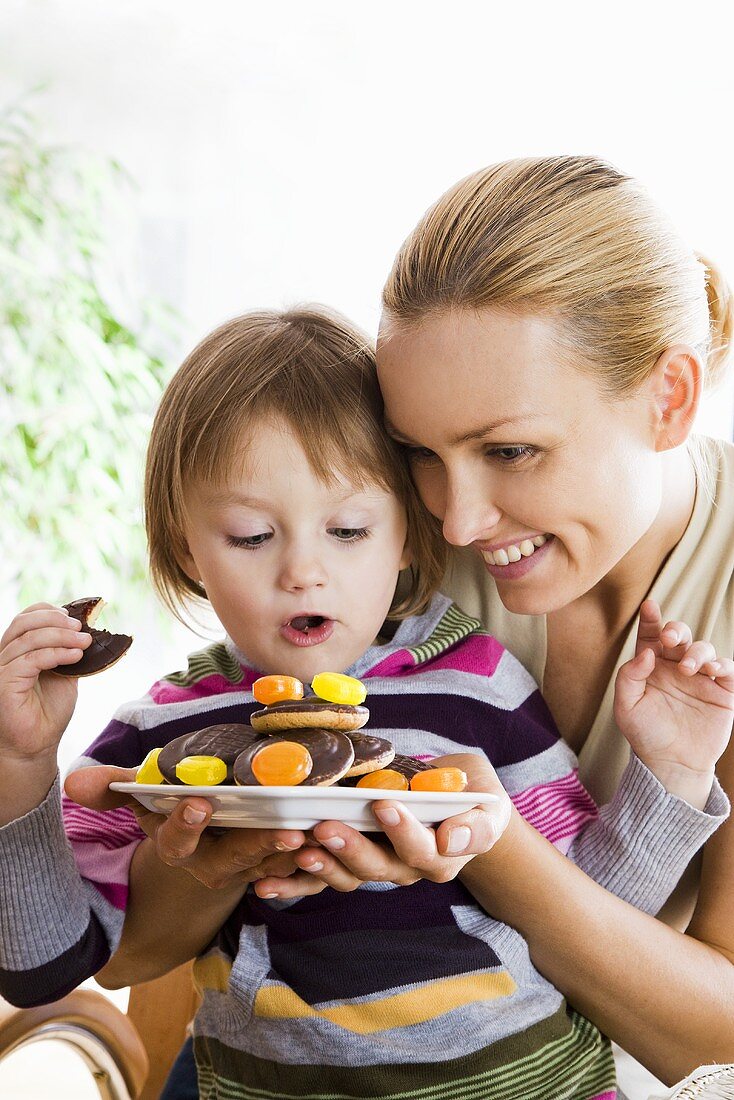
[579, 1062]
[216, 659]
[450, 629]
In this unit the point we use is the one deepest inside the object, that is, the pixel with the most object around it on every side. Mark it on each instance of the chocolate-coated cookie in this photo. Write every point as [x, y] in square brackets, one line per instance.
[331, 751]
[105, 650]
[309, 712]
[225, 741]
[371, 754]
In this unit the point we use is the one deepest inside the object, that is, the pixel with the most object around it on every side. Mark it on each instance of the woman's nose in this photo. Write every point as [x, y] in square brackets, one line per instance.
[470, 513]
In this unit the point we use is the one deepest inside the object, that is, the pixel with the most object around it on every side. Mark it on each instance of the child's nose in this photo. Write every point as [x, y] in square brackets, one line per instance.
[302, 571]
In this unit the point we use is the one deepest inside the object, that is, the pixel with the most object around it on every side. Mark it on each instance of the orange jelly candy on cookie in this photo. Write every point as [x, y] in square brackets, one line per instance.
[386, 779]
[282, 764]
[277, 689]
[439, 779]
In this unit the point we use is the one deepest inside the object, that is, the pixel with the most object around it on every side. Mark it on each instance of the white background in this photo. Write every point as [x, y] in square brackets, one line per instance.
[282, 151]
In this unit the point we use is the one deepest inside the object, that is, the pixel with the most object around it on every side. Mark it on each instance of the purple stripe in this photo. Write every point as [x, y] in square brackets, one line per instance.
[339, 967]
[125, 746]
[43, 984]
[425, 904]
[507, 737]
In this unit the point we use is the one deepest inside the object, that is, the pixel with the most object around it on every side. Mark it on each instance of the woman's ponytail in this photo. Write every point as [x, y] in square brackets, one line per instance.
[721, 313]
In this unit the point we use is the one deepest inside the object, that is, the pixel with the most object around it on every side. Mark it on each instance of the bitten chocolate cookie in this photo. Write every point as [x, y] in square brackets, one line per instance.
[105, 650]
[225, 741]
[331, 756]
[307, 713]
[371, 754]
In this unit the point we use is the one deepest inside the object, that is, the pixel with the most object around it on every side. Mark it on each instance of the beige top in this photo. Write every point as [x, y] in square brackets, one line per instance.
[695, 586]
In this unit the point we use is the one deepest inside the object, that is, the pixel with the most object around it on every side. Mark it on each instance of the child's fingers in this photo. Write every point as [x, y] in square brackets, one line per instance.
[696, 655]
[648, 629]
[90, 786]
[299, 885]
[35, 618]
[40, 650]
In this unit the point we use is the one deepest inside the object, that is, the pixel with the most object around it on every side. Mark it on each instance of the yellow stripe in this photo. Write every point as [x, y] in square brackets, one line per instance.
[279, 1002]
[212, 972]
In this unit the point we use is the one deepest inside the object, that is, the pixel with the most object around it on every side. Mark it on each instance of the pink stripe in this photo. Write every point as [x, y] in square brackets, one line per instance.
[558, 809]
[108, 872]
[605, 1095]
[478, 654]
[216, 684]
[401, 663]
[111, 828]
[114, 893]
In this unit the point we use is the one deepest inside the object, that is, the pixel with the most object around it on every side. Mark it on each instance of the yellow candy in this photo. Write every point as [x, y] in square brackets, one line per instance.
[201, 771]
[277, 689]
[149, 772]
[337, 688]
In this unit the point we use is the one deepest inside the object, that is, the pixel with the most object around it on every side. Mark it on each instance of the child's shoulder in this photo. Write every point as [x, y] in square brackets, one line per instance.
[214, 670]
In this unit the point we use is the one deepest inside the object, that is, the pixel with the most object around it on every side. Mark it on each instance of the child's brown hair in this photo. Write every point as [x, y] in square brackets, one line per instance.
[317, 372]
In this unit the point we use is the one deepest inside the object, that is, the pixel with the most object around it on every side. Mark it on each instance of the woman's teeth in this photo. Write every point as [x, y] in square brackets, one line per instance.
[513, 553]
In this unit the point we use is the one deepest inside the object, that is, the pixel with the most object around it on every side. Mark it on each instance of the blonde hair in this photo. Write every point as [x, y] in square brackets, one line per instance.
[572, 237]
[318, 373]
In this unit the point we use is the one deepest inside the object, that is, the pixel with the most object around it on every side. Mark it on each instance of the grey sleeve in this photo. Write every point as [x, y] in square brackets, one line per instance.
[56, 929]
[642, 841]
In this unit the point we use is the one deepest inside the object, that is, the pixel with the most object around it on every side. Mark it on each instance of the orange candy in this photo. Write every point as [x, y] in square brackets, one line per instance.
[439, 779]
[282, 764]
[386, 780]
[277, 689]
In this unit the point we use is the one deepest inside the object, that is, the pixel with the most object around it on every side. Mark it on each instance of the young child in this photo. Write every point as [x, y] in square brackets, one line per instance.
[273, 493]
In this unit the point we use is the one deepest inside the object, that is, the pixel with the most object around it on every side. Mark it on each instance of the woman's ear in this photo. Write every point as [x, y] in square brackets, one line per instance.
[407, 558]
[675, 388]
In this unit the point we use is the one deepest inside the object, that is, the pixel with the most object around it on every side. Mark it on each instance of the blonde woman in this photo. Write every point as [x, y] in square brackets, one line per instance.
[545, 342]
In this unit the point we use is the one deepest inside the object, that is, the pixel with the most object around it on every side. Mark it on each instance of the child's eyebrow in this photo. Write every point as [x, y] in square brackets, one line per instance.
[227, 497]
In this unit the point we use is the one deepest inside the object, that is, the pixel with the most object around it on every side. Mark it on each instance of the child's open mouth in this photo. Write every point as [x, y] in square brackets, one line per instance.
[307, 630]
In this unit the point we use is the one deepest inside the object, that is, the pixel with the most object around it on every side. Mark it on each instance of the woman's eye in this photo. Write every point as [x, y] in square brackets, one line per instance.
[349, 534]
[421, 456]
[510, 456]
[249, 542]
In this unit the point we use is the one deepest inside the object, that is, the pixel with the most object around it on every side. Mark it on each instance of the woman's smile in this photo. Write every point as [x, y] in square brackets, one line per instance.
[515, 559]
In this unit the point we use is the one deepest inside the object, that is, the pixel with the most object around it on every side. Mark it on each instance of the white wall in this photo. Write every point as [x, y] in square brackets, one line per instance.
[283, 150]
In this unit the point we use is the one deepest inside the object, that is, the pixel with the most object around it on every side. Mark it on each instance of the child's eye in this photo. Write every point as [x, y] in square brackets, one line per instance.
[249, 542]
[349, 534]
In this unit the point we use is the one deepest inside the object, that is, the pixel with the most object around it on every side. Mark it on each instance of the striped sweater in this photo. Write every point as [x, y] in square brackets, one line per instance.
[401, 992]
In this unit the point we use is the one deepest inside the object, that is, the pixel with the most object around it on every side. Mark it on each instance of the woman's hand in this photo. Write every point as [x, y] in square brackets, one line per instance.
[674, 702]
[232, 858]
[345, 858]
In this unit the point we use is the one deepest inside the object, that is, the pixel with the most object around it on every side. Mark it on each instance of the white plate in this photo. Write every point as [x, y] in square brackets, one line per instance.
[303, 807]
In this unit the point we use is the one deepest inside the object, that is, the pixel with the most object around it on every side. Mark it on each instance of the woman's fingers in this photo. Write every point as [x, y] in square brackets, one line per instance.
[696, 655]
[722, 670]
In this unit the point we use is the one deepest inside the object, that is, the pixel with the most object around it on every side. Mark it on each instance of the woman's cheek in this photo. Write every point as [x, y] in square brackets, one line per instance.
[431, 486]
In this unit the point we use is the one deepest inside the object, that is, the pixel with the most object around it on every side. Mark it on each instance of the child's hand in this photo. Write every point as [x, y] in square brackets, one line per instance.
[217, 859]
[674, 702]
[35, 705]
